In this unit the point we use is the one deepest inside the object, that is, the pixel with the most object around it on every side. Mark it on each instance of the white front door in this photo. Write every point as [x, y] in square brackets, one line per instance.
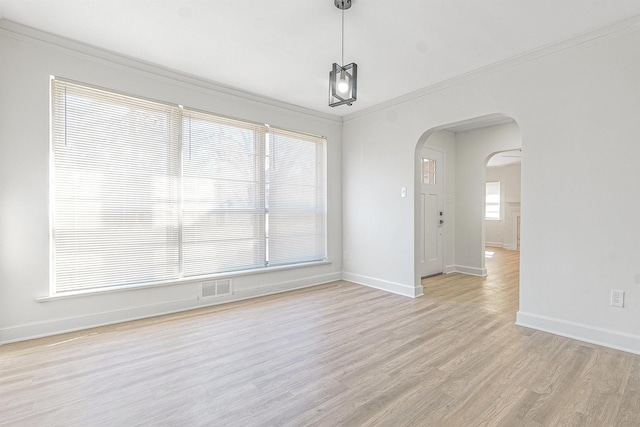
[432, 210]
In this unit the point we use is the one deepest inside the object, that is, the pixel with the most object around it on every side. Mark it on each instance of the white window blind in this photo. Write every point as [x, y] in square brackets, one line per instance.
[145, 192]
[223, 210]
[296, 194]
[116, 161]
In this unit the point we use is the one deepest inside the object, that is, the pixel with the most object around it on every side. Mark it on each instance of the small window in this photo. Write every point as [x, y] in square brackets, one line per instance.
[428, 171]
[492, 205]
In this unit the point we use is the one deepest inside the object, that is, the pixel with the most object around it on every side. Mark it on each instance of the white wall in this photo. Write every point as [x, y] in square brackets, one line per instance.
[473, 150]
[576, 104]
[376, 211]
[27, 59]
[500, 232]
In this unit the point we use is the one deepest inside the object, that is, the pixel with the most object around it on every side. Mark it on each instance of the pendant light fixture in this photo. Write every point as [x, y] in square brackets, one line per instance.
[343, 79]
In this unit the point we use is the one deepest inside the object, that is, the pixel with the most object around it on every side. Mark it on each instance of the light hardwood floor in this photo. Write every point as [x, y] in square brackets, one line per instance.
[337, 354]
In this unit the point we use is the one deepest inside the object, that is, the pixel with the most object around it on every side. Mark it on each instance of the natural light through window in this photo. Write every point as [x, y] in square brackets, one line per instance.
[145, 192]
[428, 171]
[492, 205]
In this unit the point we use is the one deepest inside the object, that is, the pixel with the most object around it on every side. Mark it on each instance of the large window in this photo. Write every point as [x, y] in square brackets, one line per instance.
[145, 192]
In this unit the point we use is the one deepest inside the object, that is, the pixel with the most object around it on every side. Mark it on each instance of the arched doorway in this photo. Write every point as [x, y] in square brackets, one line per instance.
[465, 146]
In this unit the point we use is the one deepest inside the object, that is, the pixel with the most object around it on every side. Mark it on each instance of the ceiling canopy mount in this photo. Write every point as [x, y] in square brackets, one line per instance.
[342, 4]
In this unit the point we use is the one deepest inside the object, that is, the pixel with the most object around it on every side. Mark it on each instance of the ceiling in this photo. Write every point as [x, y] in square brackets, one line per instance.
[504, 158]
[283, 49]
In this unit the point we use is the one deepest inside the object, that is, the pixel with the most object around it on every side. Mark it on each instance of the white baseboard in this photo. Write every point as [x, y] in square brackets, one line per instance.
[604, 337]
[71, 324]
[393, 287]
[494, 244]
[507, 246]
[473, 271]
[449, 269]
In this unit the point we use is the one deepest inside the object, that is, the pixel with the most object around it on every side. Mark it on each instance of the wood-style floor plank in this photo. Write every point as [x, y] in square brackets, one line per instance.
[337, 354]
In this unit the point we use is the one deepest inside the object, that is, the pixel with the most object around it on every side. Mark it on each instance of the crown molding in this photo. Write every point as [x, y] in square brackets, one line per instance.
[22, 32]
[617, 29]
[86, 51]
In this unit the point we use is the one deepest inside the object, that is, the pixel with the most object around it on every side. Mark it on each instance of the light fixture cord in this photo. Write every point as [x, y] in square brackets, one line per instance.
[342, 65]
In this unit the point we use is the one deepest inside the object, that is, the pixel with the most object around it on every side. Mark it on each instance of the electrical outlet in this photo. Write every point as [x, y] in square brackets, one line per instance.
[617, 298]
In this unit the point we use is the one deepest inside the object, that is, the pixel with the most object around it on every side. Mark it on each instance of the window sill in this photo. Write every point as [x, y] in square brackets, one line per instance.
[194, 279]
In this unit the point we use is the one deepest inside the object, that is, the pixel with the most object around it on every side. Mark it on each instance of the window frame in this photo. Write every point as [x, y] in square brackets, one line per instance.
[262, 130]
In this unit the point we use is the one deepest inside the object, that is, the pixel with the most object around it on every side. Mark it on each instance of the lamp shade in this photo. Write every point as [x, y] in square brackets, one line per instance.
[343, 84]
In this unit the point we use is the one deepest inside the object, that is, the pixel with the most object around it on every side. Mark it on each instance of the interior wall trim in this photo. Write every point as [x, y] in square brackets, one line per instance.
[495, 244]
[617, 29]
[59, 326]
[578, 331]
[86, 51]
[473, 271]
[384, 285]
